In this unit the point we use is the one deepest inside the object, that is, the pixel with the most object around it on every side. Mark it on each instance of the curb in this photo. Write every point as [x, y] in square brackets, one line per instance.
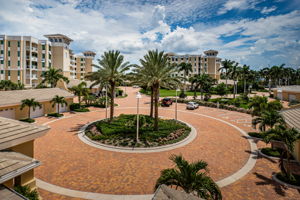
[274, 177]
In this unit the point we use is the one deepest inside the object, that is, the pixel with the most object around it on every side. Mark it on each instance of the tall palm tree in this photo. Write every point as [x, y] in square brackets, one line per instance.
[266, 74]
[186, 68]
[52, 76]
[113, 68]
[156, 67]
[58, 100]
[288, 136]
[30, 103]
[268, 119]
[226, 65]
[203, 82]
[191, 177]
[245, 74]
[234, 72]
[80, 90]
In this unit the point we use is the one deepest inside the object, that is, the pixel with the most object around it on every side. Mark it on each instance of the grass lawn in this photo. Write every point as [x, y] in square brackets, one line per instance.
[170, 93]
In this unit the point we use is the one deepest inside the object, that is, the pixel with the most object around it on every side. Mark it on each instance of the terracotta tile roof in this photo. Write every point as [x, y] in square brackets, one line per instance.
[13, 164]
[13, 132]
[14, 97]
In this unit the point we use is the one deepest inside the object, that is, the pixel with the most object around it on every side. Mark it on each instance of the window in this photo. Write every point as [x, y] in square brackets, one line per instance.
[43, 64]
[43, 55]
[1, 61]
[8, 63]
[18, 43]
[49, 48]
[8, 72]
[9, 43]
[1, 41]
[49, 64]
[19, 53]
[8, 53]
[18, 63]
[81, 64]
[43, 47]
[81, 59]
[2, 52]
[18, 72]
[60, 40]
[49, 56]
[2, 71]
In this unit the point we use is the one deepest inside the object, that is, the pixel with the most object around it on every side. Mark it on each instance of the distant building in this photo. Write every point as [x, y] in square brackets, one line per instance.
[288, 93]
[208, 63]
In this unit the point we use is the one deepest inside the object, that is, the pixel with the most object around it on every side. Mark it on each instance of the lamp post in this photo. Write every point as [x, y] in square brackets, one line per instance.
[105, 101]
[177, 90]
[138, 96]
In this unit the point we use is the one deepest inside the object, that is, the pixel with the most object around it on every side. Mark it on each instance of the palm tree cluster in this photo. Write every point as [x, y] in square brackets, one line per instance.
[80, 90]
[9, 85]
[52, 76]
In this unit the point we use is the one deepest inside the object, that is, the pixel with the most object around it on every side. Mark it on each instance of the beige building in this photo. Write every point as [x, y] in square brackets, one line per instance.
[288, 93]
[208, 63]
[23, 59]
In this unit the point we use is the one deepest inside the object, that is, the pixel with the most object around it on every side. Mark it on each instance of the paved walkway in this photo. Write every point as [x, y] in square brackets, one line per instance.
[68, 162]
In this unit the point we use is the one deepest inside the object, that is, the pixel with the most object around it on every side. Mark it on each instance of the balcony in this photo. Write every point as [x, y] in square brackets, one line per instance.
[43, 59]
[35, 59]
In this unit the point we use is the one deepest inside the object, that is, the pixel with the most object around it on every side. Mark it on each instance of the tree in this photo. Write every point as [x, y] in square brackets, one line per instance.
[156, 67]
[52, 76]
[234, 72]
[203, 82]
[259, 104]
[9, 85]
[268, 119]
[58, 100]
[112, 69]
[186, 68]
[191, 177]
[288, 136]
[226, 65]
[245, 74]
[30, 103]
[80, 90]
[221, 89]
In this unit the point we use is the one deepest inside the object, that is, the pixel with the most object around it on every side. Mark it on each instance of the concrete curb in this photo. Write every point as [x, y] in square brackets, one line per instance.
[274, 177]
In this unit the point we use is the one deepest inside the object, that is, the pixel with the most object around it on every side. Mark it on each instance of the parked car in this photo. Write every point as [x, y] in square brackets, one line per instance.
[135, 86]
[192, 105]
[166, 102]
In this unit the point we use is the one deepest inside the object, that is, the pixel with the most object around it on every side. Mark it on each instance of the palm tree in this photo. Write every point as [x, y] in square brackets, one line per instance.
[186, 68]
[80, 90]
[6, 85]
[191, 177]
[226, 65]
[157, 68]
[289, 136]
[52, 76]
[203, 82]
[113, 68]
[245, 73]
[258, 104]
[234, 72]
[268, 119]
[266, 74]
[30, 103]
[58, 100]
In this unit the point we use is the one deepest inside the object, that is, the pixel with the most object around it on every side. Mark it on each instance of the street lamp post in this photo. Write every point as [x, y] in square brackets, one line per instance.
[177, 90]
[138, 96]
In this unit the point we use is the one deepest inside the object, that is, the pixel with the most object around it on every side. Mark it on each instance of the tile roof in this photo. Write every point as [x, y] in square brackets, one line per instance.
[14, 97]
[9, 194]
[292, 117]
[13, 164]
[164, 192]
[13, 132]
[76, 82]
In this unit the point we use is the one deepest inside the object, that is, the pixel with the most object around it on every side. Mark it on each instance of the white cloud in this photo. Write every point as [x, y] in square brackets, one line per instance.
[238, 5]
[267, 10]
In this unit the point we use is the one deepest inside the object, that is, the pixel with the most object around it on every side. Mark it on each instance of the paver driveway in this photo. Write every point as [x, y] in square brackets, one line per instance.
[70, 163]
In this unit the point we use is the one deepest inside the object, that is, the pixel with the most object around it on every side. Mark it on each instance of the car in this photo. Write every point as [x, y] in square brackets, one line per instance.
[192, 105]
[166, 102]
[135, 86]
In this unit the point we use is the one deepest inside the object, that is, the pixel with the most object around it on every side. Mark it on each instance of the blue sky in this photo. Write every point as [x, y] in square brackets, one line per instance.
[253, 32]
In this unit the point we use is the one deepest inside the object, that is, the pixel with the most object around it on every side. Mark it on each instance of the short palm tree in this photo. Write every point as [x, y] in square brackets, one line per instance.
[80, 90]
[58, 100]
[157, 68]
[191, 177]
[52, 76]
[186, 68]
[289, 136]
[112, 69]
[30, 103]
[268, 119]
[258, 104]
[203, 82]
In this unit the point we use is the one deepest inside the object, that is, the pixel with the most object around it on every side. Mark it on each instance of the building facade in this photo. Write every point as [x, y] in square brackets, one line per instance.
[23, 59]
[208, 63]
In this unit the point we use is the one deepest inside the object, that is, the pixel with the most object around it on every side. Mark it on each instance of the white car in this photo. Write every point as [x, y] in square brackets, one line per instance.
[135, 86]
[192, 105]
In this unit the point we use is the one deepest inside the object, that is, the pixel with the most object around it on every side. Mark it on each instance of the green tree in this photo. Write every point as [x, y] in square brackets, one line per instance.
[234, 73]
[30, 103]
[226, 65]
[52, 76]
[259, 104]
[80, 90]
[202, 82]
[268, 119]
[186, 68]
[112, 69]
[245, 75]
[58, 100]
[191, 177]
[288, 136]
[157, 68]
[221, 89]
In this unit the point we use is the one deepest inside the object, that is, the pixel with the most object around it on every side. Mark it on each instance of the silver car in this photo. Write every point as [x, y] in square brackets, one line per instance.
[192, 105]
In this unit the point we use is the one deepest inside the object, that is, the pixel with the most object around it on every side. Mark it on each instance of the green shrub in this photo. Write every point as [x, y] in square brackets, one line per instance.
[74, 106]
[26, 192]
[294, 102]
[29, 120]
[55, 115]
[82, 110]
[272, 152]
[294, 181]
[255, 134]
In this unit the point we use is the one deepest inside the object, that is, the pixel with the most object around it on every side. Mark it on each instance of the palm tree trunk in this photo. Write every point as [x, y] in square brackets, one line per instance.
[201, 91]
[244, 86]
[270, 86]
[28, 112]
[58, 108]
[156, 95]
[234, 89]
[151, 103]
[112, 101]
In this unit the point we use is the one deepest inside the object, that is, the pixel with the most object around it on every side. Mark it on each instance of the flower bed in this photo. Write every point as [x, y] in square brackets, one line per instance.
[122, 131]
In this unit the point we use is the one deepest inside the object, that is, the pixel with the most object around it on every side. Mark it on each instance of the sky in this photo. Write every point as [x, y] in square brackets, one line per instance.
[259, 33]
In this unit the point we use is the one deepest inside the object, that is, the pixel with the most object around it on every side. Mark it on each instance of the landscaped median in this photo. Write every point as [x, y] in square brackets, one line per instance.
[121, 131]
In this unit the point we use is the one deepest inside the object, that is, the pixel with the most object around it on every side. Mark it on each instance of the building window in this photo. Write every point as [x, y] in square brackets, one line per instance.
[2, 61]
[2, 52]
[49, 48]
[8, 72]
[8, 53]
[19, 53]
[2, 71]
[8, 63]
[43, 55]
[1, 41]
[49, 64]
[49, 56]
[18, 43]
[18, 63]
[43, 64]
[43, 47]
[8, 43]
[18, 72]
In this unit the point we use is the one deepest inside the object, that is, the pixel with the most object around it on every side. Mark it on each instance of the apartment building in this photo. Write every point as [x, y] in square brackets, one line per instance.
[208, 63]
[23, 59]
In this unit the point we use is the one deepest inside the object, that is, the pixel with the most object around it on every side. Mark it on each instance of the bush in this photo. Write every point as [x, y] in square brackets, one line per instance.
[26, 192]
[29, 120]
[74, 106]
[294, 102]
[82, 110]
[255, 134]
[55, 115]
[182, 95]
[207, 97]
[295, 181]
[272, 152]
